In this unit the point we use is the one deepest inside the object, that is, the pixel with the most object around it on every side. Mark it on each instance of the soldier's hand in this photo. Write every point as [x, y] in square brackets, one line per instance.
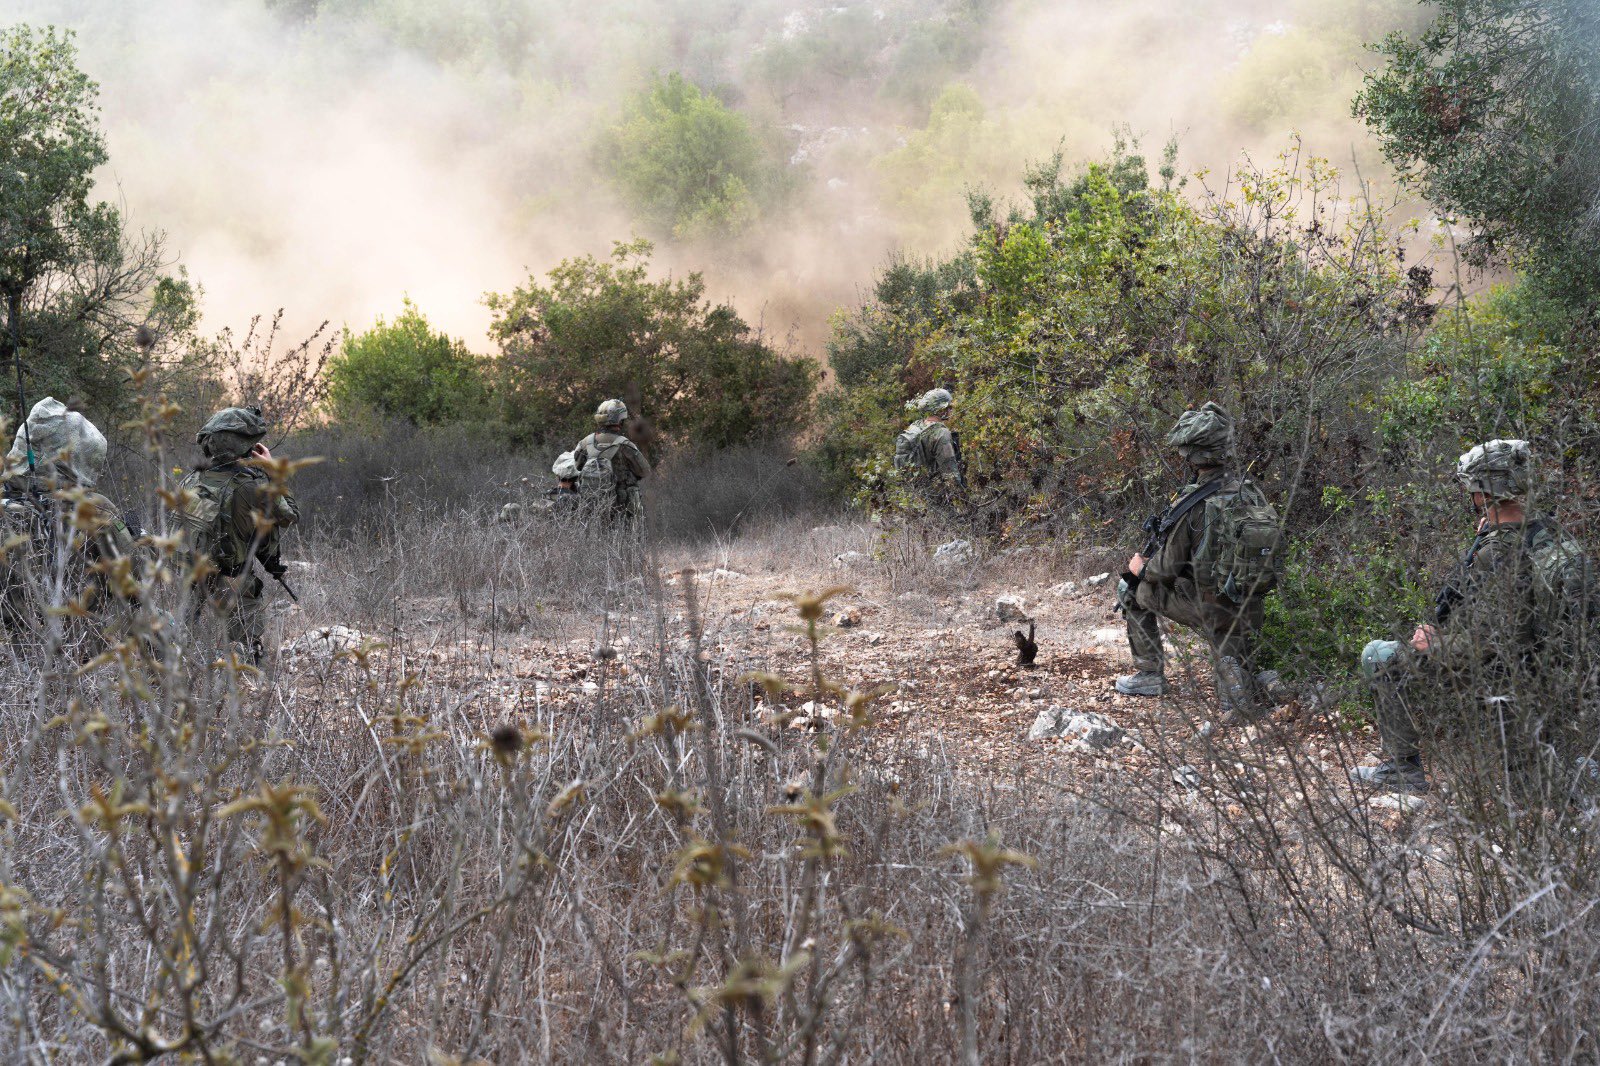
[1136, 565]
[260, 451]
[1422, 640]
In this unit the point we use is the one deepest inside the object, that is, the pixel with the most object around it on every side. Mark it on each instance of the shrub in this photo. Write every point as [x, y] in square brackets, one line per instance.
[405, 369]
[604, 328]
[687, 162]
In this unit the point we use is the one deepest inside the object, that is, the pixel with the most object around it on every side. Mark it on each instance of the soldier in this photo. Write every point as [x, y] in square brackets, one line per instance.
[927, 448]
[1209, 563]
[49, 498]
[610, 466]
[1512, 614]
[564, 498]
[232, 515]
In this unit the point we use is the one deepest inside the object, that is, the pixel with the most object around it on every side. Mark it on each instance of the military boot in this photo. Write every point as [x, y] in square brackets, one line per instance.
[1393, 775]
[1143, 683]
[1241, 696]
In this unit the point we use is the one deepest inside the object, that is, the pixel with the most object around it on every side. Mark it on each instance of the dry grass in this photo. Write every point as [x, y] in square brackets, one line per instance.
[538, 817]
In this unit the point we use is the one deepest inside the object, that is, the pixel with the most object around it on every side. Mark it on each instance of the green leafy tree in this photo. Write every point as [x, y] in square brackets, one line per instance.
[406, 369]
[84, 300]
[1493, 113]
[687, 162]
[604, 328]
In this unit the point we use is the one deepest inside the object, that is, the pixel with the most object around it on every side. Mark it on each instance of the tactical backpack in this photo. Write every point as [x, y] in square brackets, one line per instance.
[908, 446]
[598, 477]
[1563, 578]
[207, 516]
[1239, 549]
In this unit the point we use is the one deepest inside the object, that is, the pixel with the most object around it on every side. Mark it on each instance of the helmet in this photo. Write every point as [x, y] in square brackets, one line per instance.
[566, 467]
[61, 438]
[1500, 469]
[1203, 437]
[933, 401]
[231, 433]
[611, 413]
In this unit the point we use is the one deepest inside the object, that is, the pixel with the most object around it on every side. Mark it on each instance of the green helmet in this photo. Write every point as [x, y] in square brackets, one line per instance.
[1500, 469]
[63, 442]
[231, 433]
[566, 467]
[933, 402]
[611, 413]
[1203, 437]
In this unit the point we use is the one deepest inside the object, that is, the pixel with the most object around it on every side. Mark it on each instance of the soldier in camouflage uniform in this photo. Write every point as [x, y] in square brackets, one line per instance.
[233, 516]
[1167, 580]
[927, 449]
[1514, 615]
[70, 532]
[610, 466]
[565, 497]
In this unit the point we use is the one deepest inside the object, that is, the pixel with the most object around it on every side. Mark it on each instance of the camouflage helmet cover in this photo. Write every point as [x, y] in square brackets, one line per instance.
[1500, 469]
[62, 439]
[1203, 437]
[932, 402]
[566, 466]
[231, 432]
[611, 413]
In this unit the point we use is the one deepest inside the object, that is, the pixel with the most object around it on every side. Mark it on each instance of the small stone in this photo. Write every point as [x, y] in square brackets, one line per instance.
[1098, 580]
[719, 574]
[1011, 609]
[1089, 730]
[848, 618]
[849, 560]
[954, 553]
[875, 638]
[1397, 801]
[1187, 778]
[1066, 588]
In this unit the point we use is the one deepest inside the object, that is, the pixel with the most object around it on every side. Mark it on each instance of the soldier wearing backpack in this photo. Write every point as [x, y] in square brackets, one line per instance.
[610, 466]
[1211, 559]
[926, 448]
[1516, 617]
[233, 517]
[74, 537]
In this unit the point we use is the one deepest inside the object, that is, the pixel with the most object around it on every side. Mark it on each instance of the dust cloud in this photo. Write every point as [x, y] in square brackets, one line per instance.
[330, 159]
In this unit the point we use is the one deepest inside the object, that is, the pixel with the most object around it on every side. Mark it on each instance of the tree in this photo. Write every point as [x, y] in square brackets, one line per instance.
[406, 369]
[686, 162]
[83, 299]
[1493, 113]
[603, 328]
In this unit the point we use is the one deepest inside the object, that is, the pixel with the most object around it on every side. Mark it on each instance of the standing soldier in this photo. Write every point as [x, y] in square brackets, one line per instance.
[610, 466]
[1513, 619]
[927, 448]
[68, 533]
[233, 515]
[1210, 561]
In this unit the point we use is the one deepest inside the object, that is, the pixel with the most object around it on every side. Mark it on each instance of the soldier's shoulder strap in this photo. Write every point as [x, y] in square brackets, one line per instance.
[1180, 508]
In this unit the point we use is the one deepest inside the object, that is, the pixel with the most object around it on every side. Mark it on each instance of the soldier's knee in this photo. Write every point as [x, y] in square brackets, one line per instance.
[1125, 596]
[1377, 656]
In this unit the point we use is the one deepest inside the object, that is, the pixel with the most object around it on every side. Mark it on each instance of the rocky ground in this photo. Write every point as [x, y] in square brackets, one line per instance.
[937, 629]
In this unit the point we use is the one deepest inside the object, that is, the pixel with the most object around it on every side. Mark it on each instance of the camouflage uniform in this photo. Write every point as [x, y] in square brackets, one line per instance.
[927, 449]
[57, 500]
[1515, 617]
[608, 447]
[1167, 586]
[232, 516]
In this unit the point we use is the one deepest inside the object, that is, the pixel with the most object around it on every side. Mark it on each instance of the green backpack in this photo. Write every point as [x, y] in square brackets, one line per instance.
[908, 446]
[1564, 588]
[1239, 550]
[206, 517]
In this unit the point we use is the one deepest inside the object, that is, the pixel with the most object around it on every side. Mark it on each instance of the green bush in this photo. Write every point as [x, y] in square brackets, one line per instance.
[696, 371]
[405, 369]
[687, 162]
[1331, 602]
